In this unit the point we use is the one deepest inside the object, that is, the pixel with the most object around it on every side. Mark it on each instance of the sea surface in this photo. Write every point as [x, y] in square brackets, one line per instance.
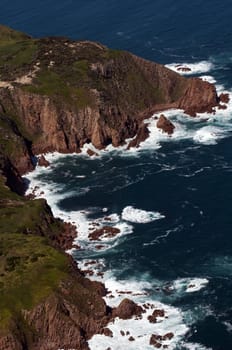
[171, 199]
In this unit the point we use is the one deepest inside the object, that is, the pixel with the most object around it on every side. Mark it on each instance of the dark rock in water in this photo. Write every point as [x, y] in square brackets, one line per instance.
[154, 340]
[183, 69]
[127, 309]
[220, 106]
[91, 153]
[106, 231]
[42, 161]
[142, 135]
[168, 336]
[225, 98]
[165, 124]
[107, 332]
[131, 338]
[156, 313]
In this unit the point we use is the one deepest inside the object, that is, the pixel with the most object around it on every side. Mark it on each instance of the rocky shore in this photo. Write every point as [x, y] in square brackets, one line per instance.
[57, 95]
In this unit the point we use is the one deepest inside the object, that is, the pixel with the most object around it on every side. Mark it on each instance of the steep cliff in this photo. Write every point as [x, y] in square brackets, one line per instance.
[66, 93]
[56, 95]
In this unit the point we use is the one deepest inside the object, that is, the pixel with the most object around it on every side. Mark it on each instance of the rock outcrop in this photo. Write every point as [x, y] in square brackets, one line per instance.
[165, 125]
[199, 97]
[42, 161]
[82, 92]
[57, 95]
[127, 309]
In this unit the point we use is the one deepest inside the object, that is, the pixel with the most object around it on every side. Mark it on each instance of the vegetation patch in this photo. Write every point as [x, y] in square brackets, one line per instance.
[8, 34]
[30, 270]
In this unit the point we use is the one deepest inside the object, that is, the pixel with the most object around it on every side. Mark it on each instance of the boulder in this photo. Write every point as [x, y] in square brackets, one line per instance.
[224, 98]
[165, 125]
[42, 161]
[127, 309]
[154, 341]
[107, 332]
[156, 313]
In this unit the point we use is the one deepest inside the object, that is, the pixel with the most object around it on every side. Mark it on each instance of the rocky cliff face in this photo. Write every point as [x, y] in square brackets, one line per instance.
[93, 94]
[56, 95]
[67, 318]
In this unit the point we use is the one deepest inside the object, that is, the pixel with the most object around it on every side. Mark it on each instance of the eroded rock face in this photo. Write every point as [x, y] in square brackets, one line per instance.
[165, 125]
[121, 91]
[199, 97]
[64, 320]
[142, 135]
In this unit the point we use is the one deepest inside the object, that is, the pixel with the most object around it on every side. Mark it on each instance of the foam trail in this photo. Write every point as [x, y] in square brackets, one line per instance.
[190, 285]
[140, 216]
[208, 135]
[191, 68]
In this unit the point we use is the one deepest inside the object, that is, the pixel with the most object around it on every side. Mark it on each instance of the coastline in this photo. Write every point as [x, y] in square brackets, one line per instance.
[33, 113]
[137, 291]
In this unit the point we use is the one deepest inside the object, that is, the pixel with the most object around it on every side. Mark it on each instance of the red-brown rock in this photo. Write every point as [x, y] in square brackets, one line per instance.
[156, 313]
[91, 153]
[199, 97]
[184, 69]
[165, 125]
[127, 309]
[154, 341]
[142, 135]
[225, 98]
[42, 161]
[106, 231]
[168, 336]
[107, 332]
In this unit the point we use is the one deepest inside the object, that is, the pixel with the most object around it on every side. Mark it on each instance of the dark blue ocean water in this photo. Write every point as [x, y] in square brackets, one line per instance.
[188, 180]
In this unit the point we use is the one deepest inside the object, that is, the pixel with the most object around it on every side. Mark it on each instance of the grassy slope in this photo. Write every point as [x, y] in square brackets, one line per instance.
[30, 269]
[66, 71]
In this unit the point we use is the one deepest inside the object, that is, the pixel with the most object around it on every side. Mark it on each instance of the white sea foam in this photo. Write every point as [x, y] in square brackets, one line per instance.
[208, 78]
[141, 330]
[190, 285]
[208, 135]
[194, 346]
[195, 68]
[140, 216]
[80, 218]
[228, 326]
[138, 328]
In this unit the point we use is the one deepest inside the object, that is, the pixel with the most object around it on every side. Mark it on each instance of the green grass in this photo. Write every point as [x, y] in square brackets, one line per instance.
[49, 83]
[30, 270]
[113, 54]
[15, 56]
[80, 69]
[11, 144]
[8, 34]
[5, 193]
